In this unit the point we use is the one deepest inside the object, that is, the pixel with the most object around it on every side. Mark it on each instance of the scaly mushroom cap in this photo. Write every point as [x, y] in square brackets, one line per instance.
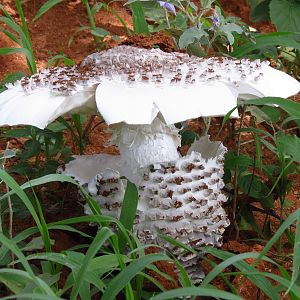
[132, 85]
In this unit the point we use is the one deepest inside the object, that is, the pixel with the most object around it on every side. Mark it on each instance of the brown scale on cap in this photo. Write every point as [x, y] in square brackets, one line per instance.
[140, 64]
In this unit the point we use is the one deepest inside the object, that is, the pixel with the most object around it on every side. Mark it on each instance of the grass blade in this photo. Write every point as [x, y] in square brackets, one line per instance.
[45, 7]
[32, 296]
[266, 40]
[284, 226]
[237, 261]
[139, 22]
[128, 211]
[57, 58]
[98, 241]
[196, 291]
[13, 247]
[123, 278]
[10, 35]
[22, 195]
[296, 259]
[291, 107]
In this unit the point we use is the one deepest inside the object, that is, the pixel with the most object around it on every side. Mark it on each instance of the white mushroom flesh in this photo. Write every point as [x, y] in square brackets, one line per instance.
[142, 145]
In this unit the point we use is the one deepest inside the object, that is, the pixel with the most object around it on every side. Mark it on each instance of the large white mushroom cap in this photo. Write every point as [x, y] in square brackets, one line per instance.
[38, 100]
[132, 85]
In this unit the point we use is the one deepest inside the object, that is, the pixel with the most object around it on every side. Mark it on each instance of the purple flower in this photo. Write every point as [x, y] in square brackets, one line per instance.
[215, 21]
[168, 6]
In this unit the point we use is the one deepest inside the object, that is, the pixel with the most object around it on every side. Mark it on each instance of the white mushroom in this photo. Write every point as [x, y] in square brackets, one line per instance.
[141, 94]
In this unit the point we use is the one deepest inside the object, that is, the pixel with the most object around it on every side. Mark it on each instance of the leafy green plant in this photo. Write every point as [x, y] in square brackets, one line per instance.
[19, 34]
[98, 33]
[201, 29]
[235, 265]
[284, 14]
[45, 149]
[42, 150]
[243, 173]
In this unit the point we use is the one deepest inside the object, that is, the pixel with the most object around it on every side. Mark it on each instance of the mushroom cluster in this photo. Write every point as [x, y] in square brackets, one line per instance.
[141, 94]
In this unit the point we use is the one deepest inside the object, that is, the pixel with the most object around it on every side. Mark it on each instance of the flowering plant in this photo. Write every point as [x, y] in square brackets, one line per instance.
[201, 29]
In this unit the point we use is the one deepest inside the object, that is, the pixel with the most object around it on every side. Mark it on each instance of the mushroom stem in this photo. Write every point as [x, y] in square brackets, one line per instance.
[144, 145]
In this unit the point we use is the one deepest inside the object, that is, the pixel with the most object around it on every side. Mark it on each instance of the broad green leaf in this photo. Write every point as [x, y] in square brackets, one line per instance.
[260, 116]
[273, 113]
[266, 40]
[291, 107]
[261, 11]
[33, 148]
[191, 35]
[227, 117]
[252, 185]
[285, 14]
[18, 132]
[243, 161]
[228, 29]
[100, 32]
[247, 214]
[188, 136]
[289, 145]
